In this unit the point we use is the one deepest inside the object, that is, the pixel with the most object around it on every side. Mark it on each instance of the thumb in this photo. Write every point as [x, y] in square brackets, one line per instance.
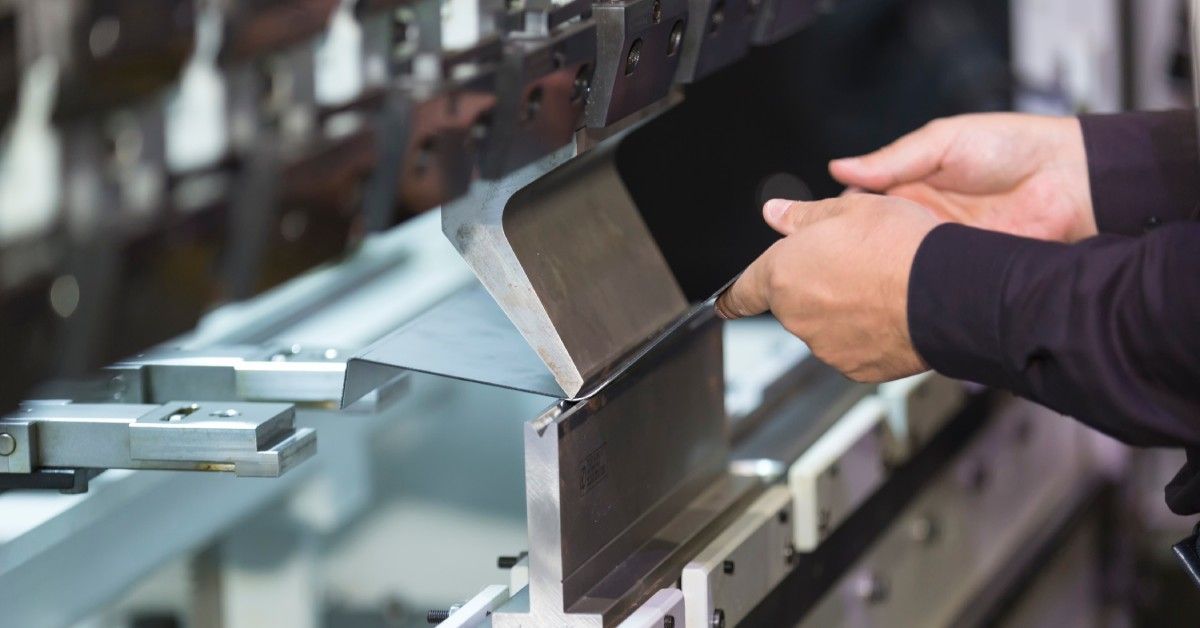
[787, 217]
[910, 158]
[750, 294]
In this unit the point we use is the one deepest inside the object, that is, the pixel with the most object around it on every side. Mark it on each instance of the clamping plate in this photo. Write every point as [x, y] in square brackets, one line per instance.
[248, 439]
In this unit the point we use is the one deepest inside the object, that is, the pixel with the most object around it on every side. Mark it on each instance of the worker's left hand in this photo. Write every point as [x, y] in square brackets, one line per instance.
[839, 281]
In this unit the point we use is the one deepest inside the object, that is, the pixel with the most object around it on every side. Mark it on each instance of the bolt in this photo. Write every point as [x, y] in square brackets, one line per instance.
[669, 621]
[656, 12]
[117, 387]
[717, 18]
[676, 38]
[8, 444]
[790, 554]
[437, 617]
[582, 83]
[633, 57]
[533, 103]
[718, 619]
[727, 567]
[228, 414]
[331, 354]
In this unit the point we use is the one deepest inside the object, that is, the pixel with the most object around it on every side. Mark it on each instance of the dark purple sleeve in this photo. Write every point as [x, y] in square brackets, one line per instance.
[1144, 169]
[1106, 330]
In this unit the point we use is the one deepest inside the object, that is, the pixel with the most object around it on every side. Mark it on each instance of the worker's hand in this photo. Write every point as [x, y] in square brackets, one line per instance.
[1020, 174]
[839, 281]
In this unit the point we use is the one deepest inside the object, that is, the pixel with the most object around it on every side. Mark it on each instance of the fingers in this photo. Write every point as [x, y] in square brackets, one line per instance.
[910, 158]
[787, 217]
[749, 294]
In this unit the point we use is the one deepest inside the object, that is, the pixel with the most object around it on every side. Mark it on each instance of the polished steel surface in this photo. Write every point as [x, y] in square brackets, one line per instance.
[617, 485]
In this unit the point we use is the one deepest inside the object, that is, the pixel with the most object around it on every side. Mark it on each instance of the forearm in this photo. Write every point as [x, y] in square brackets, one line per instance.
[1105, 330]
[1143, 169]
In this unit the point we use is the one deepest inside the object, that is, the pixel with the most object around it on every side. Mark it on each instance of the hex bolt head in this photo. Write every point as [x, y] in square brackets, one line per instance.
[8, 444]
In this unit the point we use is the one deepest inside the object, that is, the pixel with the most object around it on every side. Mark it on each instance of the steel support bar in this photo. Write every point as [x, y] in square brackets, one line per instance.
[249, 439]
[245, 373]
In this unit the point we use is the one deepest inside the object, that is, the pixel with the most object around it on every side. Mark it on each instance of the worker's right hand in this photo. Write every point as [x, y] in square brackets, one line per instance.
[1020, 174]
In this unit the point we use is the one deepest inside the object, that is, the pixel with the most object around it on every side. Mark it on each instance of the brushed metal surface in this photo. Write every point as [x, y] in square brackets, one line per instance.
[566, 254]
[617, 485]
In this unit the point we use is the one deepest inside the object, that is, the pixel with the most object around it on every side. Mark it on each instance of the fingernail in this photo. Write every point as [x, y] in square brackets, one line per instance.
[845, 161]
[776, 208]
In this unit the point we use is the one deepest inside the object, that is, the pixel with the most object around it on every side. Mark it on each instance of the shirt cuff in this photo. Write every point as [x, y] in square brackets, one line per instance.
[956, 301]
[1143, 169]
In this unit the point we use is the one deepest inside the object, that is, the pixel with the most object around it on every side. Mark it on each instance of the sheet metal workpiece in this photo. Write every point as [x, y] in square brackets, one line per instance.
[617, 486]
[567, 256]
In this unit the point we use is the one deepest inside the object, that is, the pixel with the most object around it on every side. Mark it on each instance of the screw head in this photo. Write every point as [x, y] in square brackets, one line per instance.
[633, 57]
[8, 444]
[790, 554]
[718, 619]
[675, 40]
[117, 387]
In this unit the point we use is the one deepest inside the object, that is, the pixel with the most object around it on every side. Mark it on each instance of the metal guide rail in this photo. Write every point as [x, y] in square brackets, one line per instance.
[712, 550]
